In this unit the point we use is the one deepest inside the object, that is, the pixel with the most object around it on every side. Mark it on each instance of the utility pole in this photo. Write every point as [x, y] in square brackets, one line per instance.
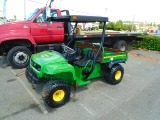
[24, 9]
[105, 11]
[0, 13]
[133, 22]
[4, 9]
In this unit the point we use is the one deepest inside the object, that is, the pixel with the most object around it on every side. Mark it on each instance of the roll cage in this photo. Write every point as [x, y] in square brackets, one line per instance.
[80, 19]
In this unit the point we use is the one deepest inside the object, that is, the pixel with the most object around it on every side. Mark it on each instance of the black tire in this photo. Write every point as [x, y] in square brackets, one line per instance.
[120, 45]
[27, 74]
[56, 93]
[18, 57]
[114, 75]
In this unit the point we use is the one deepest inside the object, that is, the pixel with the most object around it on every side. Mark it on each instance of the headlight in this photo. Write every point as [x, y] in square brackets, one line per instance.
[36, 66]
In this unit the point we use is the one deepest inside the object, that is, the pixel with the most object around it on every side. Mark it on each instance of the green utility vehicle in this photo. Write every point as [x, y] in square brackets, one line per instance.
[76, 65]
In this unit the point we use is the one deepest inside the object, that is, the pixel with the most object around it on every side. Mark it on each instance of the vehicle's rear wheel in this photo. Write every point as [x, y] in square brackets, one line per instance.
[18, 57]
[121, 45]
[114, 75]
[56, 93]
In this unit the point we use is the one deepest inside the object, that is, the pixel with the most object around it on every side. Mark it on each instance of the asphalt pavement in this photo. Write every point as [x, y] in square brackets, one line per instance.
[135, 98]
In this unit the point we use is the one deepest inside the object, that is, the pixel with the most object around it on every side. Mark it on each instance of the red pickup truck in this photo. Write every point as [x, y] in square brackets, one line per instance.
[18, 40]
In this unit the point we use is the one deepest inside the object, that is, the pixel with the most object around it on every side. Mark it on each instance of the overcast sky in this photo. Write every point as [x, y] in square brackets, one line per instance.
[139, 10]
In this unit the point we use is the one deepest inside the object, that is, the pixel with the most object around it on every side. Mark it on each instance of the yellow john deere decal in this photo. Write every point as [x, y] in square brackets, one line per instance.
[115, 56]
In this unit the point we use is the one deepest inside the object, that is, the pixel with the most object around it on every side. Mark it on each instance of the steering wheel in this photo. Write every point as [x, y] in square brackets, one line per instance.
[68, 50]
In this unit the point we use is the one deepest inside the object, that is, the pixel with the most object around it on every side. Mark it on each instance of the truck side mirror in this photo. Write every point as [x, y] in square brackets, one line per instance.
[49, 21]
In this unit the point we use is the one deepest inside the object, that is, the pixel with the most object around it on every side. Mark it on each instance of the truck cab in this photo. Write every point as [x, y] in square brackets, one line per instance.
[37, 26]
[44, 31]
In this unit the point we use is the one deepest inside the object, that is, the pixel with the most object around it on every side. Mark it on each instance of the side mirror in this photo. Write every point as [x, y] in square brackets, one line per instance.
[49, 20]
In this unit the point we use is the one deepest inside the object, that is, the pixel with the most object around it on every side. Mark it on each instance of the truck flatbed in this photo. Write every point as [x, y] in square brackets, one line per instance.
[110, 37]
[80, 18]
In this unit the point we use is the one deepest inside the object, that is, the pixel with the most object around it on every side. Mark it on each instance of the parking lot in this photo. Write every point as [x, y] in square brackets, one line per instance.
[135, 98]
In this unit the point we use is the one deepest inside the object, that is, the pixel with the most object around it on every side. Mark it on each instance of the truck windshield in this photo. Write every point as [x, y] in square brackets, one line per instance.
[31, 16]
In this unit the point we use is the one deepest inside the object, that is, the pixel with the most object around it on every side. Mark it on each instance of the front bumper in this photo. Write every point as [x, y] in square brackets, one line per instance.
[32, 77]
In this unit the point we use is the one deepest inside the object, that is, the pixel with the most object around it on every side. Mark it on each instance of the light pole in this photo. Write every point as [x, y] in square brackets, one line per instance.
[24, 9]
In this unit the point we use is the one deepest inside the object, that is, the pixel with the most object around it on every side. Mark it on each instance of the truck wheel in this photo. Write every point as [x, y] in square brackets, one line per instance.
[115, 74]
[56, 93]
[121, 45]
[18, 57]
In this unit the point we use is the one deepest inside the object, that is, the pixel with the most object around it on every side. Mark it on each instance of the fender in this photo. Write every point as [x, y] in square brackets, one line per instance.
[59, 68]
[115, 62]
[16, 35]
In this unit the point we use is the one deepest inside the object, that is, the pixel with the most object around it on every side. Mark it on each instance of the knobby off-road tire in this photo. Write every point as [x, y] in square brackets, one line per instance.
[121, 45]
[18, 57]
[56, 93]
[114, 75]
[27, 74]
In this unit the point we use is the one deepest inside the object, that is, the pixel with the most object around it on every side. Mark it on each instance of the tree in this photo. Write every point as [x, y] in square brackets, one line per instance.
[110, 26]
[118, 26]
[158, 26]
[128, 27]
[125, 27]
[100, 25]
[154, 24]
[151, 24]
[134, 27]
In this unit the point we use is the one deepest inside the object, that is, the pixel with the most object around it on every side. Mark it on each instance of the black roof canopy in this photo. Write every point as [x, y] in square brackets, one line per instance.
[78, 18]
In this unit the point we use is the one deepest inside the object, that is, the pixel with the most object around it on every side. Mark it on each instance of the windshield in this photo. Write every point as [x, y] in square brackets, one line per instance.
[31, 16]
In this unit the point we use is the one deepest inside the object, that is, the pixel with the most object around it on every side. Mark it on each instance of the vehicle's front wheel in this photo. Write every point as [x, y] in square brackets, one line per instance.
[115, 74]
[56, 93]
[27, 74]
[18, 57]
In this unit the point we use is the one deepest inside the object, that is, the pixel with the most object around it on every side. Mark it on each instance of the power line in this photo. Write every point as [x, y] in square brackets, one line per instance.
[69, 9]
[35, 1]
[79, 11]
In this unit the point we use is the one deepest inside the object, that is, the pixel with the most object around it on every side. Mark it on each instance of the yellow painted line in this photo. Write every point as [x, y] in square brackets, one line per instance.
[114, 56]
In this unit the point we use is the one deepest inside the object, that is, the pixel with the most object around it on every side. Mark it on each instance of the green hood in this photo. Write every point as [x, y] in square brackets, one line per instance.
[47, 57]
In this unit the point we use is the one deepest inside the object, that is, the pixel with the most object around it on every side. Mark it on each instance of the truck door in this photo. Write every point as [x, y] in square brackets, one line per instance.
[45, 32]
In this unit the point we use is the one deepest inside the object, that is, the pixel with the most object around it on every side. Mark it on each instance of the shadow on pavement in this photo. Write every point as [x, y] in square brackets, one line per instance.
[3, 62]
